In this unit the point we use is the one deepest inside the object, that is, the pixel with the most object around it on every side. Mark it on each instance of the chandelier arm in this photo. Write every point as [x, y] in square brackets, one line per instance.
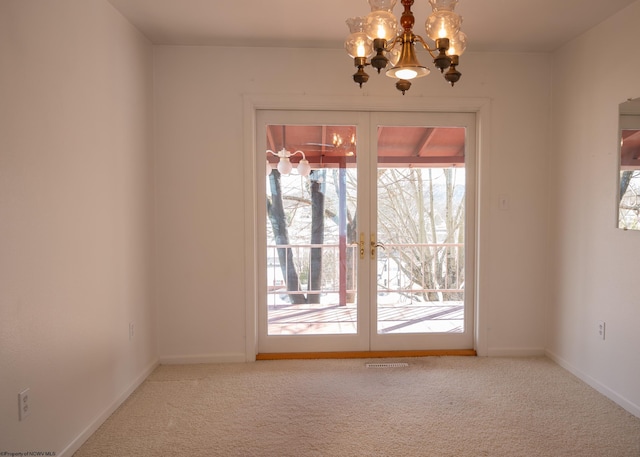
[392, 43]
[425, 45]
[298, 151]
[273, 153]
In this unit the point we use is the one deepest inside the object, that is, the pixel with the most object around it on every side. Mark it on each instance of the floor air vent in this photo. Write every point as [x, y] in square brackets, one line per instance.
[387, 365]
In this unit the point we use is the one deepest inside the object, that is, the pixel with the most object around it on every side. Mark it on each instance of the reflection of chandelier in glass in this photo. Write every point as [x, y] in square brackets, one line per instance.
[377, 34]
[338, 141]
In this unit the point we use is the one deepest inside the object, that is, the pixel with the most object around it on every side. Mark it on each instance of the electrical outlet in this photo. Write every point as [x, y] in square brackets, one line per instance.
[131, 330]
[24, 404]
[601, 329]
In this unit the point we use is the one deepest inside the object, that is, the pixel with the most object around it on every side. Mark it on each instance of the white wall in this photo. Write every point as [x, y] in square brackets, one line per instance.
[75, 218]
[200, 215]
[594, 276]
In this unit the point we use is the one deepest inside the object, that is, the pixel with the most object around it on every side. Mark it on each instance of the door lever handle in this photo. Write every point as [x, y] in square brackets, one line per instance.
[375, 245]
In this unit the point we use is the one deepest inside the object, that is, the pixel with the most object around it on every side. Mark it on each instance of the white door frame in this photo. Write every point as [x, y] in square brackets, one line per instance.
[479, 106]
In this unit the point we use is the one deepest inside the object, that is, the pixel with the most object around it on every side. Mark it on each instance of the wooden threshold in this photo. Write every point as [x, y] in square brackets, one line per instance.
[365, 354]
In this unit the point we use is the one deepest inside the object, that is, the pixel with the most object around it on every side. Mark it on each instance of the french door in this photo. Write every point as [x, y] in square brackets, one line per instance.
[366, 232]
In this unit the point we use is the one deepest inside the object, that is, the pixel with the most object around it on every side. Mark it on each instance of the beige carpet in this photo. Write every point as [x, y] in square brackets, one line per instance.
[437, 406]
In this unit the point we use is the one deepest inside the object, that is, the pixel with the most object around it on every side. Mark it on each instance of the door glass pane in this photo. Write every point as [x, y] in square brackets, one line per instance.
[420, 229]
[311, 230]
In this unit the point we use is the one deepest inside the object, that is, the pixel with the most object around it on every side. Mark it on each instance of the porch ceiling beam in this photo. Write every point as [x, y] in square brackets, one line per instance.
[423, 142]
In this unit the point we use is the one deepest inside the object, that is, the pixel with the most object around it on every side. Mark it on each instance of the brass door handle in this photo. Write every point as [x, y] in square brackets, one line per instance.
[361, 245]
[375, 245]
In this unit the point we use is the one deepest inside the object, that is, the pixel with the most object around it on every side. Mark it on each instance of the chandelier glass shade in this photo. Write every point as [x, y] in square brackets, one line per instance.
[376, 40]
[358, 44]
[380, 22]
[457, 45]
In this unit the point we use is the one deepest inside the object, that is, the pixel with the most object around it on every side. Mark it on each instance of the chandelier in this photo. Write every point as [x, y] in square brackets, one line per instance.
[376, 37]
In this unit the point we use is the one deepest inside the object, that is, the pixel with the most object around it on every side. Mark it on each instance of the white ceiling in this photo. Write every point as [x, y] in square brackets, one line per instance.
[491, 25]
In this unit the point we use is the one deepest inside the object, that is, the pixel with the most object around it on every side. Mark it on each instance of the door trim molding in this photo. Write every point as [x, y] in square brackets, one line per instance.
[254, 102]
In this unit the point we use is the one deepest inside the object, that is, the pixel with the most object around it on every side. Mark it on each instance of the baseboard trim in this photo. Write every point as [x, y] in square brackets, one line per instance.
[365, 354]
[204, 358]
[604, 390]
[98, 421]
[515, 352]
